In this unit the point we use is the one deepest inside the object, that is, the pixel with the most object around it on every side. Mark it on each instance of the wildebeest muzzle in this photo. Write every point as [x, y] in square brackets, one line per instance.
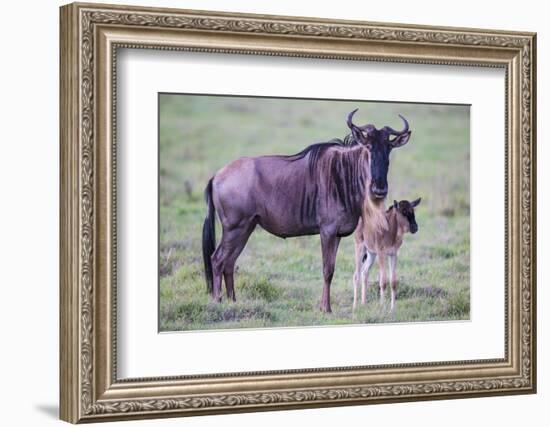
[379, 189]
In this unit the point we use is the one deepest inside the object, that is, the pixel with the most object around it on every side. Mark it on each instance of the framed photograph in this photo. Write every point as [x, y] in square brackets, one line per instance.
[267, 212]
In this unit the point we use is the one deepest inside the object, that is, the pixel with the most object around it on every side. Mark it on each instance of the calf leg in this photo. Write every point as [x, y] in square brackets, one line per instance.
[359, 254]
[329, 247]
[382, 276]
[393, 279]
[371, 256]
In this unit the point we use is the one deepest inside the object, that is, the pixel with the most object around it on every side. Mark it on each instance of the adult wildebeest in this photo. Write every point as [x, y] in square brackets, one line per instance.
[320, 190]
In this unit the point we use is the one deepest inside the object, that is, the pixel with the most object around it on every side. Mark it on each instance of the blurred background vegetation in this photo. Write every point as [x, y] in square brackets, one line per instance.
[279, 282]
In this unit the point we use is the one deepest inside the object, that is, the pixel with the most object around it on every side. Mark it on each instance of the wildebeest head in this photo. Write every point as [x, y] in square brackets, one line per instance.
[406, 208]
[379, 143]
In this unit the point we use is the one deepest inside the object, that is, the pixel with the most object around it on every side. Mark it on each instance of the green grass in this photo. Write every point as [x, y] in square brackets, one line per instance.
[279, 282]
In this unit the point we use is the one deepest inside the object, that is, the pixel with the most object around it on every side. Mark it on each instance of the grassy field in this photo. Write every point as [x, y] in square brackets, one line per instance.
[279, 282]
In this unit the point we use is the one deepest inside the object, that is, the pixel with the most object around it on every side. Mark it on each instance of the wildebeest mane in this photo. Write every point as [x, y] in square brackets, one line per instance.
[317, 150]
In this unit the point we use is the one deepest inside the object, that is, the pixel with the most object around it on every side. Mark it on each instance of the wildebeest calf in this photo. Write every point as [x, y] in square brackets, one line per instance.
[382, 243]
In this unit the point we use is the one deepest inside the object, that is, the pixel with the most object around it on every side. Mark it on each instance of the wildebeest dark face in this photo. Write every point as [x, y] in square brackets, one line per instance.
[406, 208]
[379, 143]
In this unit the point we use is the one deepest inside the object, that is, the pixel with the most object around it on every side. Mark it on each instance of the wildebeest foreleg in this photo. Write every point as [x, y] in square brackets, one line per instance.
[329, 247]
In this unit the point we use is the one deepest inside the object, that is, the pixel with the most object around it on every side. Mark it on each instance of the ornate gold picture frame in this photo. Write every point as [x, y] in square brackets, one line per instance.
[91, 34]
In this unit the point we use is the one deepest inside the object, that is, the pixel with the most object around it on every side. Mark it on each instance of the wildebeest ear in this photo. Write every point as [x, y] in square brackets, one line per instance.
[356, 132]
[416, 202]
[395, 204]
[400, 140]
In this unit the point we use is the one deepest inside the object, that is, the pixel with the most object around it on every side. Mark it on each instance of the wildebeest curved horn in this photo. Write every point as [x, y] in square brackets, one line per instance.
[397, 133]
[350, 117]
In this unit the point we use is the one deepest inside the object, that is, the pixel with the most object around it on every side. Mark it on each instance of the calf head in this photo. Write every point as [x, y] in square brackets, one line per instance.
[406, 209]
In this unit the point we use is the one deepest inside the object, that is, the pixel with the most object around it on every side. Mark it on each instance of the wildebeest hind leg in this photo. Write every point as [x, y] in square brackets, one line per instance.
[236, 243]
[217, 268]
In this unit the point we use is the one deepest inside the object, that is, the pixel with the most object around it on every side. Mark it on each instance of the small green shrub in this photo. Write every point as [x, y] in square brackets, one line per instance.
[260, 288]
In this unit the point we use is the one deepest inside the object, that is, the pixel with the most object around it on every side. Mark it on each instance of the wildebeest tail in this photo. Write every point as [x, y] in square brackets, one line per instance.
[209, 237]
